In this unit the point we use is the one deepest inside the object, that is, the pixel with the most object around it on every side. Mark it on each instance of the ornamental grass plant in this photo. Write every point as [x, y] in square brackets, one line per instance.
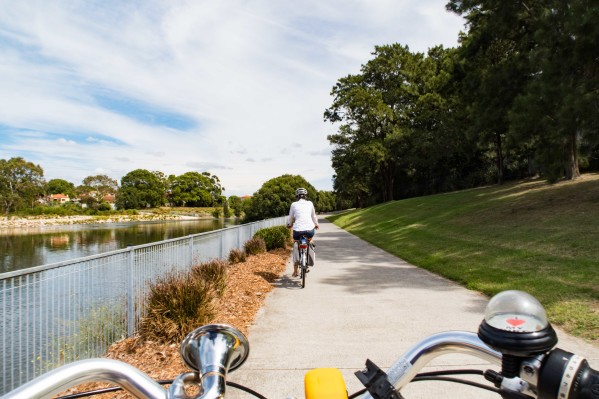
[255, 246]
[177, 303]
[213, 272]
[237, 256]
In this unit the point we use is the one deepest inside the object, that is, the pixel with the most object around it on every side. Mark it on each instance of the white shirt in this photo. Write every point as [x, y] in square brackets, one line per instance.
[303, 215]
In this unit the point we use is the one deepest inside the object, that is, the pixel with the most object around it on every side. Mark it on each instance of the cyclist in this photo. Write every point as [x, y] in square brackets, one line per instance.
[302, 218]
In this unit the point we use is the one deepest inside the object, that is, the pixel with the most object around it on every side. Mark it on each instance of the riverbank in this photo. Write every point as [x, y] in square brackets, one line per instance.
[16, 222]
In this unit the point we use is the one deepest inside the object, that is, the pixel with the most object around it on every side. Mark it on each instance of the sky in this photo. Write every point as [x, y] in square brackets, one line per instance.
[235, 88]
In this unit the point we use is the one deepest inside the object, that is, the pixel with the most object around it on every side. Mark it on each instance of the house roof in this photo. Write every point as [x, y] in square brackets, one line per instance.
[58, 196]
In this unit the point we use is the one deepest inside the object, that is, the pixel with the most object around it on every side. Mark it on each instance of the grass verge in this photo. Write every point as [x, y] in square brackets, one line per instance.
[530, 236]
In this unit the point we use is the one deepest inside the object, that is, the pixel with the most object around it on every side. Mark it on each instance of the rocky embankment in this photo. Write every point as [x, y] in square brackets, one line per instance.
[14, 222]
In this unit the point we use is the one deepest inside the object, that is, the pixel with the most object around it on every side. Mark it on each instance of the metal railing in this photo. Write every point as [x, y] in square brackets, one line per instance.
[62, 312]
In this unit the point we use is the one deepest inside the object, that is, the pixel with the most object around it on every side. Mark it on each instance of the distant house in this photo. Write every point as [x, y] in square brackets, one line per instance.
[58, 198]
[110, 198]
[245, 197]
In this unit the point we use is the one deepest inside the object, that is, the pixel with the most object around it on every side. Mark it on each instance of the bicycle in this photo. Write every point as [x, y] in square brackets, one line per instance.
[304, 247]
[514, 335]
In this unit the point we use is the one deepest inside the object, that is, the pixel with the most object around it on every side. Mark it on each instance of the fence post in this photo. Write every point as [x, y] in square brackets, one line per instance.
[130, 295]
[222, 245]
[190, 250]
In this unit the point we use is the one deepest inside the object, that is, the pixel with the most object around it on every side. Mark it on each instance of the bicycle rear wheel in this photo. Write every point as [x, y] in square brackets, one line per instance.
[303, 267]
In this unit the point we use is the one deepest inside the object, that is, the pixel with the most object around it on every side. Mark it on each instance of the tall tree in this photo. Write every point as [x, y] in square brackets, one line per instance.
[373, 108]
[434, 153]
[216, 189]
[140, 189]
[539, 61]
[165, 182]
[21, 183]
[326, 202]
[60, 186]
[560, 107]
[100, 185]
[494, 58]
[195, 189]
[235, 204]
[275, 196]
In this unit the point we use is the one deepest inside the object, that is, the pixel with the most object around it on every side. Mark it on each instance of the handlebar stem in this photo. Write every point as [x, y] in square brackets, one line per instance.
[92, 370]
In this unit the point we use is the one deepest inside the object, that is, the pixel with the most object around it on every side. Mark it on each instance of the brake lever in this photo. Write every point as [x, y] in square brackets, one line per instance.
[376, 382]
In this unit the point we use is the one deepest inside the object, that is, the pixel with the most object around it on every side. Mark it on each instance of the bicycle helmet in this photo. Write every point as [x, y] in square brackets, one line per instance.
[301, 193]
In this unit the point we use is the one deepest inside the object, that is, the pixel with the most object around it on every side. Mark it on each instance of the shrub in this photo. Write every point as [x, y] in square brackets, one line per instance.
[274, 237]
[214, 273]
[286, 231]
[255, 246]
[104, 206]
[177, 304]
[237, 255]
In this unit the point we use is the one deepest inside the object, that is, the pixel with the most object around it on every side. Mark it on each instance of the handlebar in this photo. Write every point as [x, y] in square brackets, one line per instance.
[456, 342]
[93, 370]
[213, 350]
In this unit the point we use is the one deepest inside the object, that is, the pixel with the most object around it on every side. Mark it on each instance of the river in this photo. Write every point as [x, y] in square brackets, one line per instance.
[27, 248]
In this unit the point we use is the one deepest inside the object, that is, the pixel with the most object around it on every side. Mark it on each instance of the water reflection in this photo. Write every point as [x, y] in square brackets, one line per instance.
[29, 248]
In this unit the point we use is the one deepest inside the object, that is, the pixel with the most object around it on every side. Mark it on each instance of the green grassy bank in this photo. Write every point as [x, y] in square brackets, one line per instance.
[530, 236]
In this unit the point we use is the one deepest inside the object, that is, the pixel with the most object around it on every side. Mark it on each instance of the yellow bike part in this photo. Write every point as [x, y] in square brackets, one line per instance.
[325, 383]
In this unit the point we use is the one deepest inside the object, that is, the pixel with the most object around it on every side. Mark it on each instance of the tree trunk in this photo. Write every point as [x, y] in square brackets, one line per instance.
[499, 155]
[572, 170]
[388, 178]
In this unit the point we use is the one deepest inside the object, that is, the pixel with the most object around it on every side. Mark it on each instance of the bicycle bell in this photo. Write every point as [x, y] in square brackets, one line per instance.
[516, 325]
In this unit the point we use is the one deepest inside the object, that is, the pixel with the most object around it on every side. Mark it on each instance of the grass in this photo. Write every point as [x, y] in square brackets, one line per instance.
[530, 236]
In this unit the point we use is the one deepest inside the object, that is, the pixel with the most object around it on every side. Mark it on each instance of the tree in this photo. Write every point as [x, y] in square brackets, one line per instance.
[165, 182]
[496, 68]
[140, 189]
[558, 109]
[536, 72]
[21, 184]
[194, 189]
[355, 179]
[372, 108]
[226, 210]
[235, 205]
[60, 186]
[216, 190]
[275, 196]
[326, 201]
[100, 185]
[402, 128]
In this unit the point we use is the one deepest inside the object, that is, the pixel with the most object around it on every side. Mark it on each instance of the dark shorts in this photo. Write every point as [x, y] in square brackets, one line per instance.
[298, 234]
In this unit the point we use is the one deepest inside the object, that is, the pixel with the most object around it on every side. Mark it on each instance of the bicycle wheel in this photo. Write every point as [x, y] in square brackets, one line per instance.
[303, 267]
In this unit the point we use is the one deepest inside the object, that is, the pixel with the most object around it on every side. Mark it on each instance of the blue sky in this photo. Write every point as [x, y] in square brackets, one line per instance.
[236, 88]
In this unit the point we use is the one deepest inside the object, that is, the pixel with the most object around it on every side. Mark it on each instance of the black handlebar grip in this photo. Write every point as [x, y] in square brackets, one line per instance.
[567, 376]
[588, 387]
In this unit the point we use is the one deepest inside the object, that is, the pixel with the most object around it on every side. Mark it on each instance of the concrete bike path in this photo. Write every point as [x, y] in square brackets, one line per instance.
[361, 302]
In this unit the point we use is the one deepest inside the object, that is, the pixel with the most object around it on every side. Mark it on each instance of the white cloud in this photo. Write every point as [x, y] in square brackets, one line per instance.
[63, 141]
[254, 78]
